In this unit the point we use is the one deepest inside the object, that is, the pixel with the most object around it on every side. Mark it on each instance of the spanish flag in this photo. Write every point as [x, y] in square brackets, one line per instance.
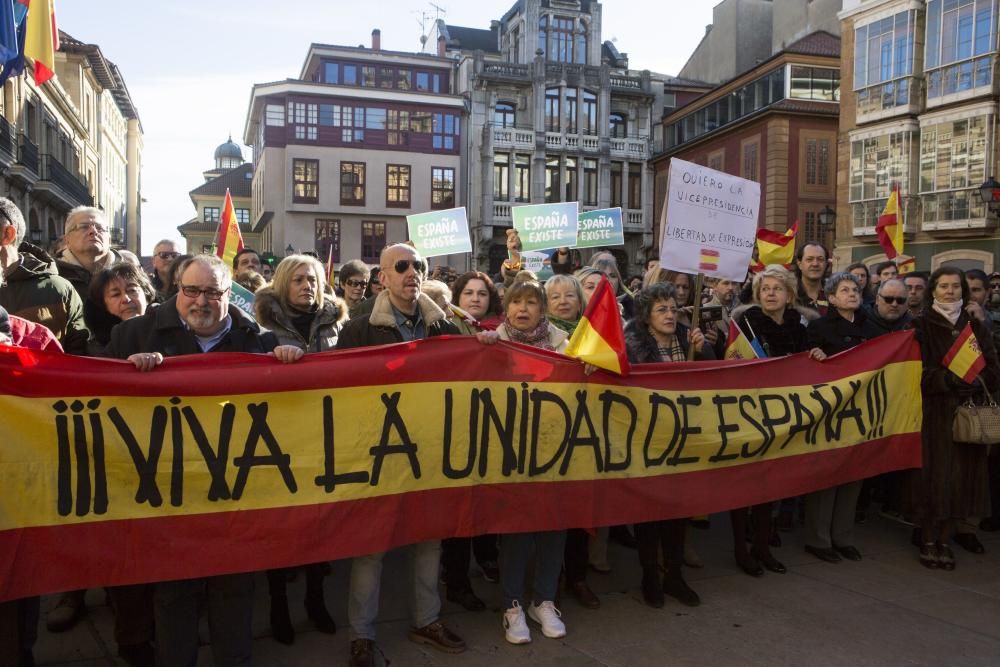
[708, 260]
[738, 346]
[230, 239]
[890, 226]
[965, 359]
[908, 265]
[599, 338]
[41, 39]
[775, 248]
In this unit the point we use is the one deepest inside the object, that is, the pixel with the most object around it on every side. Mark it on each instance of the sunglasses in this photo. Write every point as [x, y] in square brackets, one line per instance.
[898, 300]
[356, 283]
[402, 265]
[168, 255]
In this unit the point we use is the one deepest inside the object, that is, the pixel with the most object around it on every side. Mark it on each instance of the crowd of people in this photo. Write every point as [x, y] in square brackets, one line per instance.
[90, 299]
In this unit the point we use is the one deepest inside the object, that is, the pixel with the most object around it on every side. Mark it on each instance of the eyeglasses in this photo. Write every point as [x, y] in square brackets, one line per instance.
[87, 226]
[211, 293]
[402, 265]
[168, 255]
[898, 300]
[356, 283]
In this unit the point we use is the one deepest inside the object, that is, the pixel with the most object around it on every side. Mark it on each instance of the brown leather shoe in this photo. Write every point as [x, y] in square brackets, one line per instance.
[439, 637]
[362, 653]
[581, 591]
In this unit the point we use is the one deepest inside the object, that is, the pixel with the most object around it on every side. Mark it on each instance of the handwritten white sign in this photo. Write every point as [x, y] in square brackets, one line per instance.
[711, 223]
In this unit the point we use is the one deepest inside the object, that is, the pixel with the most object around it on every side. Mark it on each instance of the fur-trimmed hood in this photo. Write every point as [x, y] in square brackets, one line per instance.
[807, 314]
[382, 315]
[324, 330]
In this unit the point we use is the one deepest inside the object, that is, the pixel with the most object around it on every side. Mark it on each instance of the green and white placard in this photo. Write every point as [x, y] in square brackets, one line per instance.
[546, 226]
[600, 228]
[440, 232]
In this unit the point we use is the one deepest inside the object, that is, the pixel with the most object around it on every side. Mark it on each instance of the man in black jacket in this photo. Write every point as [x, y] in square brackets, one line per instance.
[199, 319]
[400, 313]
[890, 312]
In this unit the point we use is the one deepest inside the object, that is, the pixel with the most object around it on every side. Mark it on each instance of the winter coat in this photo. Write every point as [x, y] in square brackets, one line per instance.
[34, 291]
[20, 332]
[323, 332]
[832, 333]
[954, 481]
[778, 340]
[379, 326]
[558, 338]
[884, 326]
[641, 347]
[80, 277]
[161, 330]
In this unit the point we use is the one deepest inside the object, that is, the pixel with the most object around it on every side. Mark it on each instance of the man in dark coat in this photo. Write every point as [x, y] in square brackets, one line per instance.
[198, 319]
[400, 313]
[88, 248]
[890, 312]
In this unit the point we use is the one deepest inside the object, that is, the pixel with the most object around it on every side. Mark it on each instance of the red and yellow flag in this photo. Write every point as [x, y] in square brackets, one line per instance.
[41, 38]
[775, 248]
[599, 338]
[738, 346]
[965, 359]
[708, 260]
[890, 226]
[230, 238]
[908, 265]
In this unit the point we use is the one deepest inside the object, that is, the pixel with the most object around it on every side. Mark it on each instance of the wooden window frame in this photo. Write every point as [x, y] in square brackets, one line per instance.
[828, 190]
[303, 199]
[744, 145]
[373, 257]
[354, 201]
[332, 234]
[399, 189]
[444, 203]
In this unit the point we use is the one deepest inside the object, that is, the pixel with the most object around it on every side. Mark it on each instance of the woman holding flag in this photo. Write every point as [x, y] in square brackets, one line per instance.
[773, 325]
[957, 353]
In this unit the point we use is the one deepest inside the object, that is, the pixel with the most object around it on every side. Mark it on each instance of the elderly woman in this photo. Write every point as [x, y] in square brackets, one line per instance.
[524, 322]
[953, 483]
[301, 310]
[829, 526]
[774, 319]
[564, 297]
[655, 336]
[119, 292]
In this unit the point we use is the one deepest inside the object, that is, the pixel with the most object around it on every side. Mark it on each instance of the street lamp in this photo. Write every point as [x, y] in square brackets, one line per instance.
[827, 217]
[289, 250]
[989, 192]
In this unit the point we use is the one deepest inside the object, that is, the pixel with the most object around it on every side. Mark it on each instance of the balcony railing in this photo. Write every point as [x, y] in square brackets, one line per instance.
[28, 154]
[573, 73]
[501, 212]
[8, 139]
[54, 172]
[507, 70]
[899, 96]
[513, 137]
[633, 218]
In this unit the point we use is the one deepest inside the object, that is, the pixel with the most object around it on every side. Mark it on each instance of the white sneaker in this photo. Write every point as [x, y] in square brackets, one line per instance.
[547, 616]
[516, 626]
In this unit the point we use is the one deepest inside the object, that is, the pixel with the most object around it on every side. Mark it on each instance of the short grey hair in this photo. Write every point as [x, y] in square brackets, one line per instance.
[898, 281]
[81, 211]
[841, 277]
[777, 272]
[11, 214]
[163, 242]
[214, 264]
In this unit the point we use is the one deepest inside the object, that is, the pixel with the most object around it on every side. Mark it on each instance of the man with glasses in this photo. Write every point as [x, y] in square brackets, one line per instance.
[32, 288]
[401, 312]
[88, 248]
[199, 319]
[890, 312]
[164, 254]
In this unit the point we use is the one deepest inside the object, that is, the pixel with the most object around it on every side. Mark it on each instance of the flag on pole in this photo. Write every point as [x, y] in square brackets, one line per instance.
[738, 346]
[329, 264]
[599, 338]
[41, 40]
[230, 239]
[776, 248]
[965, 359]
[890, 226]
[13, 64]
[9, 47]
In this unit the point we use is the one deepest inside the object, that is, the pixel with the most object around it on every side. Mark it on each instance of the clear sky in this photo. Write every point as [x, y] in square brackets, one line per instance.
[190, 64]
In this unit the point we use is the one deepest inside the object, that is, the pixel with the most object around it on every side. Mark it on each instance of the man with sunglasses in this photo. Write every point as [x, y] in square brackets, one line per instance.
[164, 254]
[88, 248]
[890, 312]
[401, 312]
[199, 319]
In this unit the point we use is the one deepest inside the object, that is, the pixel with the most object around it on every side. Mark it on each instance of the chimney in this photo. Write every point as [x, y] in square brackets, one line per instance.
[442, 46]
[376, 40]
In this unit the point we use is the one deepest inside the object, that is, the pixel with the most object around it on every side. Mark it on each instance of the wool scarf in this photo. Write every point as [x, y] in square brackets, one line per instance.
[537, 337]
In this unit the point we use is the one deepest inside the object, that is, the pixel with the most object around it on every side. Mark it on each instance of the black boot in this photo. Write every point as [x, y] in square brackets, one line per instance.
[315, 605]
[677, 588]
[281, 620]
[652, 592]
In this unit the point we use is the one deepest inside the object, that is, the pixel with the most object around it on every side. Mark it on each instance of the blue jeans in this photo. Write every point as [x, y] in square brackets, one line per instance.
[366, 580]
[230, 614]
[515, 554]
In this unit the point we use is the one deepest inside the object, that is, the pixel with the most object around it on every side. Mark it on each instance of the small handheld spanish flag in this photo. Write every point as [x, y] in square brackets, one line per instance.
[965, 359]
[738, 346]
[908, 265]
[230, 238]
[599, 338]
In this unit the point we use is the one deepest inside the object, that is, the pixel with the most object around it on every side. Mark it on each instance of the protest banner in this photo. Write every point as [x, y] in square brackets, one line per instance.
[546, 226]
[711, 222]
[242, 298]
[440, 232]
[538, 262]
[600, 228]
[238, 463]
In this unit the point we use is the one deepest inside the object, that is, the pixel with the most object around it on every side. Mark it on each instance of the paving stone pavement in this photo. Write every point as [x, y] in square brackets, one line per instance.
[884, 610]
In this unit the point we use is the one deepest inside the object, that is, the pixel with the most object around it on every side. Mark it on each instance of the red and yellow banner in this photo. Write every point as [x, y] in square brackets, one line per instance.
[230, 462]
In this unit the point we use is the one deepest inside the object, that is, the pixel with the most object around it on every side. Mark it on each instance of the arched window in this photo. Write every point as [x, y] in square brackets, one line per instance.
[503, 115]
[619, 126]
[543, 33]
[580, 43]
